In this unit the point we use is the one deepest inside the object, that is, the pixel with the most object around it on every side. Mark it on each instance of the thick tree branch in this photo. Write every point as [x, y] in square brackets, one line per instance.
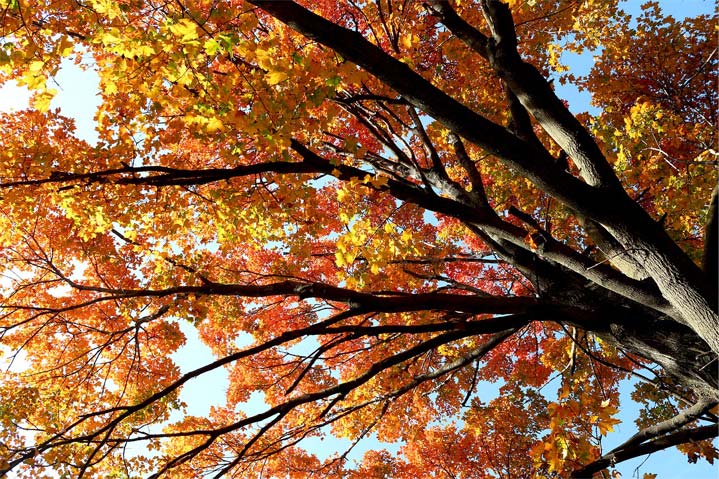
[600, 274]
[519, 121]
[487, 220]
[529, 87]
[680, 437]
[537, 96]
[475, 39]
[679, 279]
[164, 176]
[356, 300]
[612, 250]
[532, 162]
[684, 417]
[676, 275]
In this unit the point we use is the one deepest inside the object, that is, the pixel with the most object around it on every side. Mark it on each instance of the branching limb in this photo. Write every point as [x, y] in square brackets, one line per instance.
[427, 142]
[613, 251]
[341, 389]
[527, 159]
[475, 39]
[438, 176]
[537, 96]
[412, 194]
[416, 381]
[162, 175]
[683, 418]
[487, 220]
[124, 412]
[357, 301]
[519, 121]
[635, 447]
[680, 281]
[363, 115]
[478, 194]
[601, 274]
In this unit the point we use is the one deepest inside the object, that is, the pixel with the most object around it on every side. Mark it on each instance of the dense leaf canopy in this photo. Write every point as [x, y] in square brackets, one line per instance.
[367, 210]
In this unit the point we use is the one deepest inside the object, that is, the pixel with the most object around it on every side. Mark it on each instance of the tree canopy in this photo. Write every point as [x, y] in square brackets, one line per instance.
[366, 209]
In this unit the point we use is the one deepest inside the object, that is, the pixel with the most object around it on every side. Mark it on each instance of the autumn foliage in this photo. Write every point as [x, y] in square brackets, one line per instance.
[372, 213]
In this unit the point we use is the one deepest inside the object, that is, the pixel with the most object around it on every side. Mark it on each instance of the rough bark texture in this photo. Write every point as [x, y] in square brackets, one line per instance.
[643, 294]
[600, 198]
[656, 304]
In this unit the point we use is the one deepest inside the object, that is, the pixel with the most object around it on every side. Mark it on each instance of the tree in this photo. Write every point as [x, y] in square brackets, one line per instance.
[365, 209]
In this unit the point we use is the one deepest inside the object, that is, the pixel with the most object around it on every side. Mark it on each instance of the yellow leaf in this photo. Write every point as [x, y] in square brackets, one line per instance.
[186, 29]
[36, 66]
[531, 242]
[110, 87]
[563, 447]
[408, 40]
[33, 77]
[111, 36]
[339, 259]
[273, 78]
[607, 425]
[106, 7]
[42, 100]
[214, 124]
[212, 47]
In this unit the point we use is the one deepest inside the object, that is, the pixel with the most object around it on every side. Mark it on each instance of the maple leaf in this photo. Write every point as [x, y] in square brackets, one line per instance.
[376, 219]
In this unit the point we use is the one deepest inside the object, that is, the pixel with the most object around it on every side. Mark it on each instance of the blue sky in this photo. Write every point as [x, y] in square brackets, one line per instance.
[77, 99]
